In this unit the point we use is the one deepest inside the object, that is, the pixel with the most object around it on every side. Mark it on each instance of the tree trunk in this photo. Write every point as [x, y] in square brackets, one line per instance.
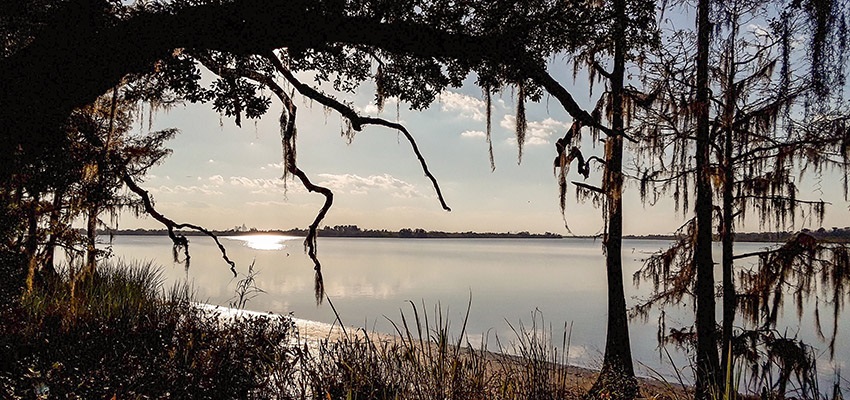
[91, 242]
[729, 302]
[49, 265]
[31, 244]
[728, 232]
[707, 364]
[617, 378]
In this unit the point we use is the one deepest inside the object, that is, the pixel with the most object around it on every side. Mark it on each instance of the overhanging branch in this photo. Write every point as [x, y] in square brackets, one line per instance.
[356, 120]
[589, 187]
[180, 241]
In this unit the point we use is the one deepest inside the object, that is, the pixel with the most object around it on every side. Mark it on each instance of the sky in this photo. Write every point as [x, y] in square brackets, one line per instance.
[221, 176]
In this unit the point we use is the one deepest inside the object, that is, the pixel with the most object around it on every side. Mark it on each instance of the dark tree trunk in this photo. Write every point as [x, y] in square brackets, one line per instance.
[31, 244]
[91, 243]
[49, 266]
[728, 232]
[617, 378]
[707, 364]
[729, 302]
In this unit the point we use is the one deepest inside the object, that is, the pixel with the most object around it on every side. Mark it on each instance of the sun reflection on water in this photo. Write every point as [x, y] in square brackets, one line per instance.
[264, 242]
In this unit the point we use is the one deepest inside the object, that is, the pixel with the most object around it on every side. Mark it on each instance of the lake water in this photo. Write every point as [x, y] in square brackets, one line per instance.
[371, 280]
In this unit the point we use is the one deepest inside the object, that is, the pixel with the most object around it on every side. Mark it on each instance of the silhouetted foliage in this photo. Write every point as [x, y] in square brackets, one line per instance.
[766, 120]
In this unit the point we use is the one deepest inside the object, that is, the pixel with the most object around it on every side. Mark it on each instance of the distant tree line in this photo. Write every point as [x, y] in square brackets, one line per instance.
[355, 231]
[833, 235]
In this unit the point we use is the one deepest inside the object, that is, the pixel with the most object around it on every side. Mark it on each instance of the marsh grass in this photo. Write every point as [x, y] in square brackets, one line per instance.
[115, 291]
[424, 361]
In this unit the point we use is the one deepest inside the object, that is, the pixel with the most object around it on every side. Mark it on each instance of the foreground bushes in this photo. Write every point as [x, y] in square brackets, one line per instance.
[123, 336]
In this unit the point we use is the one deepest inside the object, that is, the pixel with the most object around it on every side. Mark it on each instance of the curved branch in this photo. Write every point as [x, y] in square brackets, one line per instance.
[356, 120]
[553, 87]
[287, 121]
[179, 240]
[403, 130]
[310, 241]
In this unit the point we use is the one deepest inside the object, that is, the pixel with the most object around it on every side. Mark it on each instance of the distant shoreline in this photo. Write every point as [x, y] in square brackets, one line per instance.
[352, 231]
[836, 235]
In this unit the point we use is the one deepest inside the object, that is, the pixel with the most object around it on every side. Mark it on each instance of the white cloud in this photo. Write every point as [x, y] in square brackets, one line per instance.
[267, 186]
[372, 107]
[759, 31]
[267, 203]
[257, 183]
[216, 180]
[538, 133]
[277, 166]
[355, 184]
[259, 186]
[466, 106]
[205, 190]
[473, 134]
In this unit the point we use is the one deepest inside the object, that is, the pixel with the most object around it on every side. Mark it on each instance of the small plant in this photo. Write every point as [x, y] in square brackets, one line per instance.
[246, 288]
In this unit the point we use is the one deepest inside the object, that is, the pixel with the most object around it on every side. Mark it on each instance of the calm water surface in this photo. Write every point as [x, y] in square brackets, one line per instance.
[372, 280]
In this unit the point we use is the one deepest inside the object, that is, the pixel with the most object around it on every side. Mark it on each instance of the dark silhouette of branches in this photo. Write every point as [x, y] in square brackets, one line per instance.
[357, 121]
[288, 136]
[180, 241]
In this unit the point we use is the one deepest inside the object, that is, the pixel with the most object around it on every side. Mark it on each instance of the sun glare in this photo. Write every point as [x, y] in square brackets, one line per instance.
[263, 242]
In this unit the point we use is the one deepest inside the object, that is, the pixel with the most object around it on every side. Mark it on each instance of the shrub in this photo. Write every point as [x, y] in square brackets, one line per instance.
[122, 335]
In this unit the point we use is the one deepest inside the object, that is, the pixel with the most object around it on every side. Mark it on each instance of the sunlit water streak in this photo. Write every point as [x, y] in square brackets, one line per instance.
[372, 281]
[263, 241]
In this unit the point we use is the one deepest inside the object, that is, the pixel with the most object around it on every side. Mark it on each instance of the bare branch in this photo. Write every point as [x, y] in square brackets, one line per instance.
[553, 87]
[356, 120]
[589, 187]
[288, 133]
[180, 241]
[602, 71]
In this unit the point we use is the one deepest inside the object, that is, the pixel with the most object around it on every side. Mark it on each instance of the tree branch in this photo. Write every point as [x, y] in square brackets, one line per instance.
[179, 240]
[589, 187]
[288, 138]
[553, 87]
[599, 69]
[357, 121]
[137, 42]
[783, 198]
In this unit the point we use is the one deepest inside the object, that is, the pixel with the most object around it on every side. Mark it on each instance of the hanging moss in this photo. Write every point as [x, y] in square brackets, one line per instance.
[489, 101]
[521, 122]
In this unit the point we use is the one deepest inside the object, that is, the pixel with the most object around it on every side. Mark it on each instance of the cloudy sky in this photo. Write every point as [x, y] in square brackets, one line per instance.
[221, 176]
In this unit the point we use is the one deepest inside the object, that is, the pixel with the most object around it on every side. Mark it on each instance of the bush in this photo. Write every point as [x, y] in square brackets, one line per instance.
[122, 335]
